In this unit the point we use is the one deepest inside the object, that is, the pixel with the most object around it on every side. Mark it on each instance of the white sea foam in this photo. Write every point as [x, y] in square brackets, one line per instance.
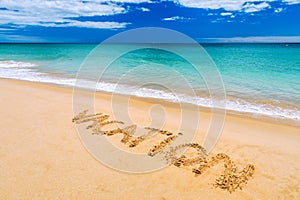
[29, 72]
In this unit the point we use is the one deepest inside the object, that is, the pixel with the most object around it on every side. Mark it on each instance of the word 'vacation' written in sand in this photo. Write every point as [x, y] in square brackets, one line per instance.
[231, 178]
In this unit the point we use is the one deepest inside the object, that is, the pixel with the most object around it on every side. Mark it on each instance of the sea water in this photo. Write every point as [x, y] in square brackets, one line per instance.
[259, 79]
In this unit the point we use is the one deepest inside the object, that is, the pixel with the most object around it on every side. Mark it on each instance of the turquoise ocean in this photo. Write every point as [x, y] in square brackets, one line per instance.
[259, 79]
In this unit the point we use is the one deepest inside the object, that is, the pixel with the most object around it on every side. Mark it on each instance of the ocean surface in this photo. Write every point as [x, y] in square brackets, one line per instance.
[259, 79]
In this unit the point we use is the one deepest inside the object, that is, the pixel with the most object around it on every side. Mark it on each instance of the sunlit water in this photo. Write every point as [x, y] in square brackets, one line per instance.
[260, 79]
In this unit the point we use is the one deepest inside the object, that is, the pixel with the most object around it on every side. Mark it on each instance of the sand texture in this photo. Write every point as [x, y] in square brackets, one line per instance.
[42, 156]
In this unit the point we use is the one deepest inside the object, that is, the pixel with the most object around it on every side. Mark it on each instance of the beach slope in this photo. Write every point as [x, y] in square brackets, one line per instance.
[42, 156]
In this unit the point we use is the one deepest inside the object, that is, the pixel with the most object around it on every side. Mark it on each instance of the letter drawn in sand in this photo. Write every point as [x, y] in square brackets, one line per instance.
[230, 179]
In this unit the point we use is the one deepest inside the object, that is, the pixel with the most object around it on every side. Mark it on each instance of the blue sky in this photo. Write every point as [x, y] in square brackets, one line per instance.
[203, 20]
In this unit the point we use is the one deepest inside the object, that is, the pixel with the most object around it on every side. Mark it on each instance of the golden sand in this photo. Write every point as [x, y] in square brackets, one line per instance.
[230, 180]
[42, 156]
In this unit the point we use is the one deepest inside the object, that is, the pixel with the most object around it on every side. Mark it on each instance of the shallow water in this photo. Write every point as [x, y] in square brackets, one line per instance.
[261, 79]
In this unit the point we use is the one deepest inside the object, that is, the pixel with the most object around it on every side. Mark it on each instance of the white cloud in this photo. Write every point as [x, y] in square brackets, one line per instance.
[226, 13]
[59, 13]
[229, 5]
[232, 5]
[86, 24]
[176, 18]
[255, 39]
[144, 9]
[129, 1]
[278, 10]
[20, 38]
[292, 1]
[251, 7]
[7, 29]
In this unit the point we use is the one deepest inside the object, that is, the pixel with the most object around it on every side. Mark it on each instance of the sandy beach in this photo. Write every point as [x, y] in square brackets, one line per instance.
[42, 156]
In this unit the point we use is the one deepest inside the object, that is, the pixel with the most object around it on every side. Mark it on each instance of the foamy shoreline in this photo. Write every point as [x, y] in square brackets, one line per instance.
[244, 111]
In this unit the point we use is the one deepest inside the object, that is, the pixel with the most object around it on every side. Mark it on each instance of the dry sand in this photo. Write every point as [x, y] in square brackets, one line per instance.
[42, 156]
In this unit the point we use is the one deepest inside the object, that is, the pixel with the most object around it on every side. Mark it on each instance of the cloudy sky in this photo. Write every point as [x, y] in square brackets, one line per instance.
[203, 20]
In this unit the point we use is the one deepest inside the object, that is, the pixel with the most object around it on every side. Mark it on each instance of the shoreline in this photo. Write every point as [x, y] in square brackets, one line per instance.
[240, 114]
[44, 157]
